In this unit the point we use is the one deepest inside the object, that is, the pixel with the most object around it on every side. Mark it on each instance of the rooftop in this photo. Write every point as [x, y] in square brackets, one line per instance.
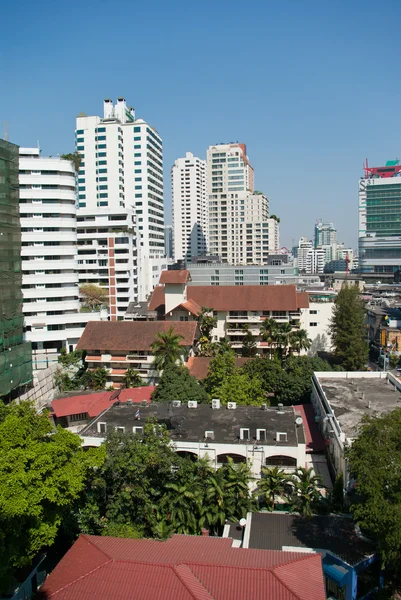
[181, 568]
[199, 365]
[333, 533]
[95, 403]
[190, 424]
[174, 276]
[234, 297]
[351, 399]
[128, 336]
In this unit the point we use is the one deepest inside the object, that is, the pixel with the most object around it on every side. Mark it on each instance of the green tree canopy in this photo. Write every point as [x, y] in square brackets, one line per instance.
[75, 158]
[93, 296]
[177, 384]
[348, 329]
[249, 346]
[166, 349]
[375, 462]
[241, 388]
[42, 473]
[132, 378]
[221, 367]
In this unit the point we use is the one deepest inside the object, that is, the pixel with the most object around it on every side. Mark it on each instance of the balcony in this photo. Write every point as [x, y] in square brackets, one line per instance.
[244, 319]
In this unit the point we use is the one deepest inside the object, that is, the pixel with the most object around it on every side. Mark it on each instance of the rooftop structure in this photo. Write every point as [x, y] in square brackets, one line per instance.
[260, 435]
[341, 400]
[182, 568]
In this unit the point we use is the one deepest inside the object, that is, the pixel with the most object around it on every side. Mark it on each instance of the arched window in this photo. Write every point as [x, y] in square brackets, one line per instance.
[281, 461]
[236, 458]
[188, 454]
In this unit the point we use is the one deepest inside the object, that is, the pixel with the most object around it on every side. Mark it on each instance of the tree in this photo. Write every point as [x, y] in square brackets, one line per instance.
[98, 378]
[306, 491]
[375, 462]
[348, 329]
[284, 334]
[221, 367]
[42, 472]
[222, 346]
[272, 485]
[75, 158]
[268, 331]
[71, 359]
[176, 383]
[132, 379]
[238, 500]
[249, 347]
[240, 388]
[207, 322]
[93, 296]
[300, 341]
[166, 349]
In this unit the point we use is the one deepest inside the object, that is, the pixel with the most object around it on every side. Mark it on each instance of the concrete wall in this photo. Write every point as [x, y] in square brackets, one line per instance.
[43, 389]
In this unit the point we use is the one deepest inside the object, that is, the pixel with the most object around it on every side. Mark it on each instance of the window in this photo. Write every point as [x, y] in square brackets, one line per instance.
[101, 130]
[313, 324]
[101, 427]
[313, 312]
[137, 129]
[209, 435]
[281, 437]
[261, 435]
[79, 417]
[120, 429]
[138, 430]
[183, 318]
[244, 434]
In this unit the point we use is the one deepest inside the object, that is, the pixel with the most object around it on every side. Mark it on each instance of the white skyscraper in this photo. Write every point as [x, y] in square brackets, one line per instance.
[188, 183]
[309, 259]
[49, 256]
[240, 230]
[120, 210]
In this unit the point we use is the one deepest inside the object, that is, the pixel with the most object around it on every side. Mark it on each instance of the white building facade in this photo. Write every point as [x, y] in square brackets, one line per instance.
[49, 256]
[240, 230]
[120, 203]
[188, 183]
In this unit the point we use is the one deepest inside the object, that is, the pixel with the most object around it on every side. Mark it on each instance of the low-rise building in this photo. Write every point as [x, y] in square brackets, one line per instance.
[119, 345]
[261, 436]
[182, 568]
[341, 399]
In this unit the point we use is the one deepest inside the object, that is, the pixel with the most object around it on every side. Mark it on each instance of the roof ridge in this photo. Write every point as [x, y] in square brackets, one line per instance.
[88, 538]
[279, 578]
[206, 595]
[81, 577]
[287, 587]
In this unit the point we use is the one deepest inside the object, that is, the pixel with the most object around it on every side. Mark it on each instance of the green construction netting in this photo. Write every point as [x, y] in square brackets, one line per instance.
[15, 354]
[392, 163]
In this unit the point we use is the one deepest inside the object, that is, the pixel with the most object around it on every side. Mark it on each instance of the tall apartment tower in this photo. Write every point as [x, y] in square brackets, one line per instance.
[188, 183]
[325, 234]
[379, 220]
[120, 215]
[168, 241]
[239, 229]
[15, 353]
[49, 256]
[309, 259]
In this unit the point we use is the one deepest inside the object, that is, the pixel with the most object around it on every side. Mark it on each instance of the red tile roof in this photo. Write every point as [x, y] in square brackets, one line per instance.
[199, 365]
[233, 297]
[174, 276]
[94, 404]
[190, 306]
[128, 336]
[182, 568]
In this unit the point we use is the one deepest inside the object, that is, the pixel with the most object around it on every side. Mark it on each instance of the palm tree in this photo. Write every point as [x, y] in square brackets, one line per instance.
[284, 332]
[272, 484]
[183, 505]
[132, 378]
[166, 349]
[300, 340]
[238, 498]
[222, 346]
[306, 493]
[268, 331]
[214, 503]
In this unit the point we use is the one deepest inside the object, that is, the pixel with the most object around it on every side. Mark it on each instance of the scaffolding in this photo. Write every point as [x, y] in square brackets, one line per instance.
[15, 354]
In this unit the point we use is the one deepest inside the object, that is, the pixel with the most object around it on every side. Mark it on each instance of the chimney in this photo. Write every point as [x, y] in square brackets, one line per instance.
[280, 408]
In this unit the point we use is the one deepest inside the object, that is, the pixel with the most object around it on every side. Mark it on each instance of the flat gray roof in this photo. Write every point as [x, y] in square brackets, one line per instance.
[351, 399]
[190, 424]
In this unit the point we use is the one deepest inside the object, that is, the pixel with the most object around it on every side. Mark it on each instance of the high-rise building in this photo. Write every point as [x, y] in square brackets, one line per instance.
[309, 259]
[325, 234]
[49, 256]
[379, 220]
[188, 183]
[15, 353]
[120, 204]
[168, 241]
[239, 229]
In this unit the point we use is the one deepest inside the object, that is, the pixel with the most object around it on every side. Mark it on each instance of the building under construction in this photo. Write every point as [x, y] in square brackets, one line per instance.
[15, 354]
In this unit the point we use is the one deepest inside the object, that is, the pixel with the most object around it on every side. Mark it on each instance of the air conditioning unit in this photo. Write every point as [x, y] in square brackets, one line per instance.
[215, 403]
[176, 403]
[231, 405]
[263, 406]
[192, 404]
[129, 401]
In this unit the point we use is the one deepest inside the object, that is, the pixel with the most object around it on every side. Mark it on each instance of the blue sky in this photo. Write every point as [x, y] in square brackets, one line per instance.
[312, 88]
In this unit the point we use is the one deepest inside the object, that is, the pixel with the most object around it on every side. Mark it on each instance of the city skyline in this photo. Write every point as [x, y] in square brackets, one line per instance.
[305, 104]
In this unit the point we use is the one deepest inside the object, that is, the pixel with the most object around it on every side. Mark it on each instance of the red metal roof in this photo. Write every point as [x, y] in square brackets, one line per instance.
[174, 276]
[94, 404]
[182, 568]
[314, 439]
[199, 365]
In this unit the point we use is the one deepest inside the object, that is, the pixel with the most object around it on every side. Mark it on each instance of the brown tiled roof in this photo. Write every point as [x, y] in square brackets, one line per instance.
[199, 365]
[174, 276]
[182, 568]
[237, 297]
[126, 336]
[190, 306]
